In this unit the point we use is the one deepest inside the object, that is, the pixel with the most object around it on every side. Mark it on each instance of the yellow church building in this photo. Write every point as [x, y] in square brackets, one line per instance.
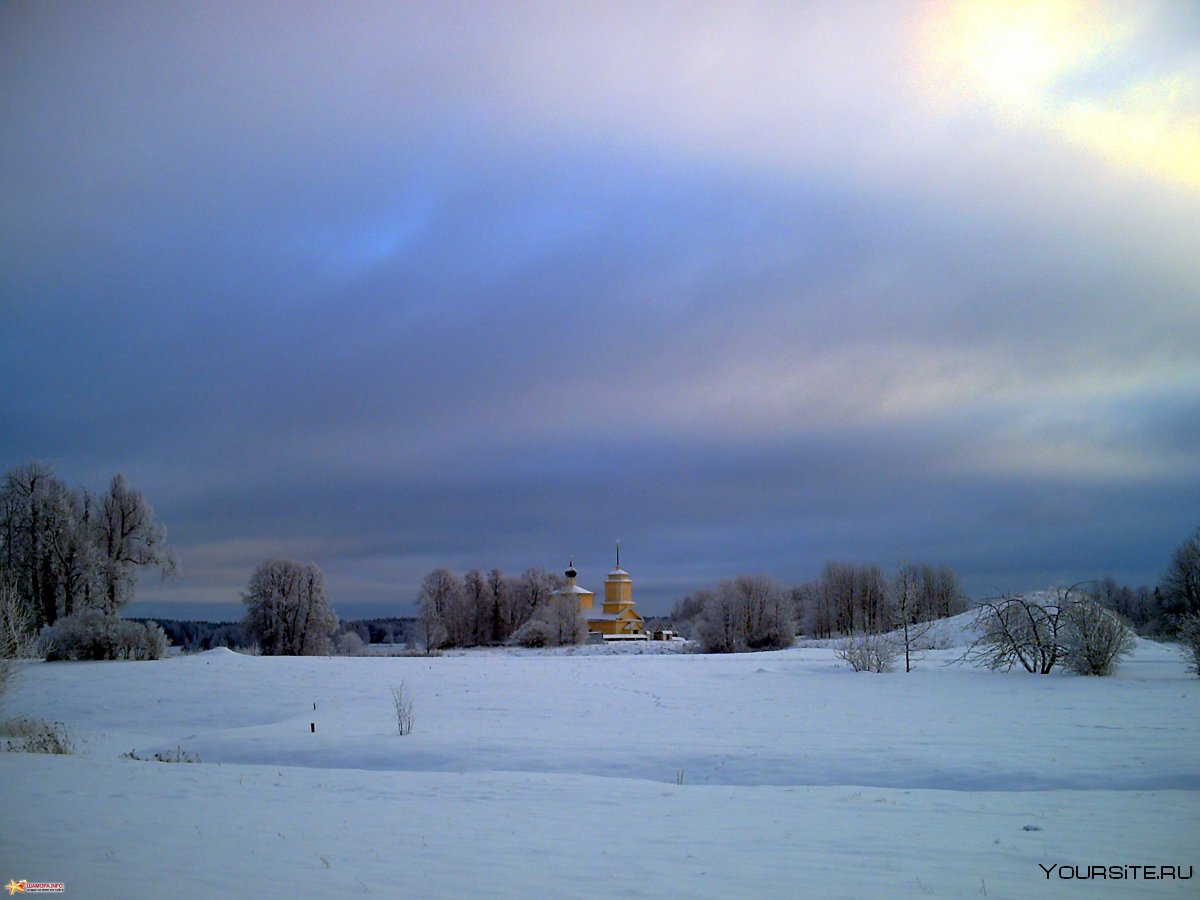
[615, 619]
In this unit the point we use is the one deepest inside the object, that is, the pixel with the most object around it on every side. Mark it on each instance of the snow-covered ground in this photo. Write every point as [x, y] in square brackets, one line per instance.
[605, 774]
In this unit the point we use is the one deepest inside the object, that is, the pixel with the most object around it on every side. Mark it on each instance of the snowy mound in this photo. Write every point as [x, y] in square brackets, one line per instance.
[941, 634]
[218, 652]
[956, 631]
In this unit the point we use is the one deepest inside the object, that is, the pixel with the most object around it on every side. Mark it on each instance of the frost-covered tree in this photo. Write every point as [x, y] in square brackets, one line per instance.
[477, 608]
[30, 518]
[127, 539]
[1189, 639]
[558, 622]
[287, 611]
[16, 635]
[747, 613]
[1016, 630]
[92, 634]
[65, 551]
[568, 626]
[438, 608]
[1180, 587]
[1094, 639]
[529, 592]
[1039, 632]
[867, 652]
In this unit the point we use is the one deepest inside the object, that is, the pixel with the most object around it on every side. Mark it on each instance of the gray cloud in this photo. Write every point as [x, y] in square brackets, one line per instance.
[398, 286]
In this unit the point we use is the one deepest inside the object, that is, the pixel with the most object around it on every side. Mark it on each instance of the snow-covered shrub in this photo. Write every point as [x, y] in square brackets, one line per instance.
[16, 635]
[403, 702]
[178, 755]
[557, 622]
[867, 653]
[348, 643]
[534, 633]
[26, 735]
[148, 642]
[1094, 639]
[1189, 639]
[91, 634]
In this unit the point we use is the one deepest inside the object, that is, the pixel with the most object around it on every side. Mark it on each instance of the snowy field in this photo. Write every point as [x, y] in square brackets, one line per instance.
[597, 774]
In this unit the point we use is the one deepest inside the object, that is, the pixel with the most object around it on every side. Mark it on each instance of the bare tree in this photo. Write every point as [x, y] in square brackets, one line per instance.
[939, 594]
[907, 601]
[686, 612]
[528, 593]
[477, 607]
[856, 598]
[820, 612]
[747, 613]
[1016, 629]
[439, 604]
[288, 613]
[1042, 631]
[499, 590]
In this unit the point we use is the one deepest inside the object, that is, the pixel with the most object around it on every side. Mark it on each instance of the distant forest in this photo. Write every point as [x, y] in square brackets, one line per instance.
[195, 635]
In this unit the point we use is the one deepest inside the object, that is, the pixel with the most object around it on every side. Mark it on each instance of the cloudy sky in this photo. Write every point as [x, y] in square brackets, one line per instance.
[748, 286]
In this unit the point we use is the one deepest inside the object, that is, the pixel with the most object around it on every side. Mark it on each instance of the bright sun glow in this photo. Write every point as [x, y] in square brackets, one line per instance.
[1010, 53]
[1017, 58]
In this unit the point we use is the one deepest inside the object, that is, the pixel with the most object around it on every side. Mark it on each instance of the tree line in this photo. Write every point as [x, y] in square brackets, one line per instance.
[64, 550]
[69, 562]
[489, 609]
[757, 612]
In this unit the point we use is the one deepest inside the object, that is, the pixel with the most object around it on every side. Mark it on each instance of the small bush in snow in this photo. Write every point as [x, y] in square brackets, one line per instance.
[1094, 639]
[557, 622]
[178, 755]
[1189, 638]
[26, 735]
[348, 643]
[867, 653]
[402, 701]
[91, 634]
[16, 635]
[534, 633]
